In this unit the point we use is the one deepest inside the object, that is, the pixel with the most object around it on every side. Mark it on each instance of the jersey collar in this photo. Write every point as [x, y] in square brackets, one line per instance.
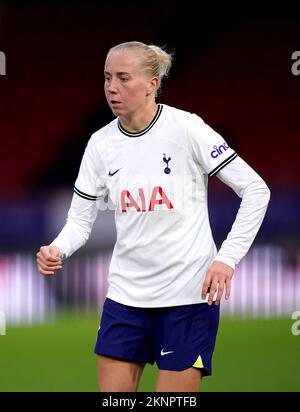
[136, 134]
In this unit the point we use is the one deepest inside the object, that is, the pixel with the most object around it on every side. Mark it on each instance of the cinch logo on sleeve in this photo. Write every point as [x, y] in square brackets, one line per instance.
[128, 201]
[219, 150]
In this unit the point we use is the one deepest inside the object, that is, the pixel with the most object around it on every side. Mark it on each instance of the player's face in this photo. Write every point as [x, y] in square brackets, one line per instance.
[126, 86]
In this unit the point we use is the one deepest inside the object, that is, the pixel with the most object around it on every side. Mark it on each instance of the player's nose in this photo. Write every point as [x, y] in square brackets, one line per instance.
[111, 87]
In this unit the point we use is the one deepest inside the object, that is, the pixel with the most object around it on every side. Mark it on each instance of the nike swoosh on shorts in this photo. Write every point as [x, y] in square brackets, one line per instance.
[166, 353]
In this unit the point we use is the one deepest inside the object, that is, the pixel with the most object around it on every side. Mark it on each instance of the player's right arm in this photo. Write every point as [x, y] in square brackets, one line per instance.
[90, 186]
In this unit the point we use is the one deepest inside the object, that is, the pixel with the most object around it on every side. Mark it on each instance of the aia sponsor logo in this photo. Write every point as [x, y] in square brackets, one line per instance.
[158, 197]
[218, 150]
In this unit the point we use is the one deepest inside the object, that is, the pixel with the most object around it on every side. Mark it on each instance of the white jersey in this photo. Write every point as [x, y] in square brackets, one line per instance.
[157, 180]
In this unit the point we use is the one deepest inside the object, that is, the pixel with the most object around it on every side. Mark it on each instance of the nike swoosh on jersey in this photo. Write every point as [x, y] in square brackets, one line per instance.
[111, 174]
[166, 353]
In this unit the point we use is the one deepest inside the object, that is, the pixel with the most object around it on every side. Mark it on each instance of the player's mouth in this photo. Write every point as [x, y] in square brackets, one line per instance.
[115, 103]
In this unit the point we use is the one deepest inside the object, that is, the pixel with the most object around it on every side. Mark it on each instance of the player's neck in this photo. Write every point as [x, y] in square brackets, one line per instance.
[140, 119]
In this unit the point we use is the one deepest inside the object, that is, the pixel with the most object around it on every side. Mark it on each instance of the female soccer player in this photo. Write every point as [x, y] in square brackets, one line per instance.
[166, 278]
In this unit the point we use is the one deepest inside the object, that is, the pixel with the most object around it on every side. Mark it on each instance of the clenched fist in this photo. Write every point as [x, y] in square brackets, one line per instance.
[48, 260]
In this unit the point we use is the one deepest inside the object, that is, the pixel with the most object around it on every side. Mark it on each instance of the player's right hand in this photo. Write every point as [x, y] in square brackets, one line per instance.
[48, 260]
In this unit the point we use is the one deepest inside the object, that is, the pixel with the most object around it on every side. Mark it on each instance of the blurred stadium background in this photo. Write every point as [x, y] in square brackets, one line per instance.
[233, 68]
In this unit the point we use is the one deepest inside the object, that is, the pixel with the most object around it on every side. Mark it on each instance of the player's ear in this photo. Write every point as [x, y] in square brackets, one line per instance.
[152, 85]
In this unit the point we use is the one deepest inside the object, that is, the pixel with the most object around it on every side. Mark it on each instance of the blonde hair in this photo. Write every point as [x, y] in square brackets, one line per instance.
[153, 59]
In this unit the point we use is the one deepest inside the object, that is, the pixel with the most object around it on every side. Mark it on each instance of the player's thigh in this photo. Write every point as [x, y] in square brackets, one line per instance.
[116, 375]
[187, 380]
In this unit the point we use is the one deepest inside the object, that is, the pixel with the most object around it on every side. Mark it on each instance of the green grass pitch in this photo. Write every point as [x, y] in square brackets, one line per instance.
[250, 355]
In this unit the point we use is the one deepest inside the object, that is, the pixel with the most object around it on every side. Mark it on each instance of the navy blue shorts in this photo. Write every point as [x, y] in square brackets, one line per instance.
[176, 338]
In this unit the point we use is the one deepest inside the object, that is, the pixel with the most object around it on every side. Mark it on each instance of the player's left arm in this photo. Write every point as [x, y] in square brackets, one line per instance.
[255, 195]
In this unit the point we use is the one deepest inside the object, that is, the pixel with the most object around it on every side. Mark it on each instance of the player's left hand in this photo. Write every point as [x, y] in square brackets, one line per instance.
[219, 275]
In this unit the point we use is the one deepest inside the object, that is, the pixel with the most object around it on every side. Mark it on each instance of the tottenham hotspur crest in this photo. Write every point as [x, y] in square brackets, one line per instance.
[167, 170]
